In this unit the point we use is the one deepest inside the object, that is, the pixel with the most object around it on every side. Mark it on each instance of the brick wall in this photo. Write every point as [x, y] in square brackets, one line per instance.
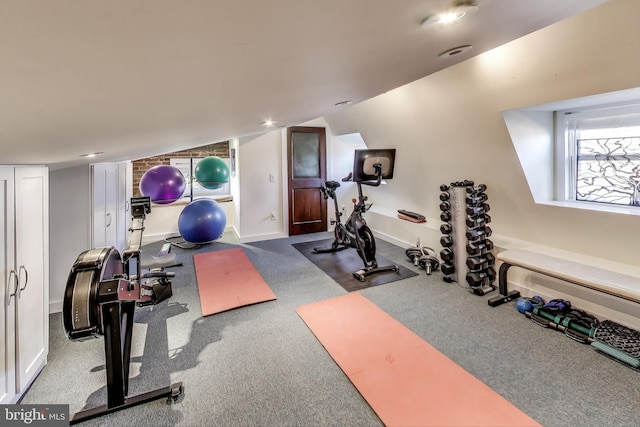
[219, 149]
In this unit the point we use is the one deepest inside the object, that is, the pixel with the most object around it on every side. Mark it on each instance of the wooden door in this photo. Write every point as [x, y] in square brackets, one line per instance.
[306, 148]
[8, 288]
[32, 261]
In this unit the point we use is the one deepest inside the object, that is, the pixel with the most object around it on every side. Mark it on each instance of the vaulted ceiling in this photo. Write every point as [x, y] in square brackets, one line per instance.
[134, 78]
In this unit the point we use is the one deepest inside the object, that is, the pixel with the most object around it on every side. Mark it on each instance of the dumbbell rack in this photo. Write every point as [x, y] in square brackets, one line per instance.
[467, 250]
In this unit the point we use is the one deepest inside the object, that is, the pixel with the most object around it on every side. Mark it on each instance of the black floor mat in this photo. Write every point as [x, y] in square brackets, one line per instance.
[341, 265]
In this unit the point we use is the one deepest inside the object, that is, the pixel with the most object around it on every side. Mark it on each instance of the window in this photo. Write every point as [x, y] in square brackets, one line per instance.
[185, 166]
[599, 155]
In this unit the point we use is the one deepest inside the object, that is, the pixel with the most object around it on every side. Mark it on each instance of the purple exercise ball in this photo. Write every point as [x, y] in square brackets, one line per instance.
[164, 184]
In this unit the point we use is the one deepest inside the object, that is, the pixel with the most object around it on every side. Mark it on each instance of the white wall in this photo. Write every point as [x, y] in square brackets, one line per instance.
[70, 219]
[449, 127]
[261, 156]
[339, 163]
[260, 174]
[234, 179]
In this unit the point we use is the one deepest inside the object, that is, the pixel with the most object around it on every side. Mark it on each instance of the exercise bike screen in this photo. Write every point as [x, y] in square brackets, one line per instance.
[364, 160]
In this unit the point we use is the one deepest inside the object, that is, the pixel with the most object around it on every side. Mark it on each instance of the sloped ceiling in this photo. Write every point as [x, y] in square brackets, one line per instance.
[134, 78]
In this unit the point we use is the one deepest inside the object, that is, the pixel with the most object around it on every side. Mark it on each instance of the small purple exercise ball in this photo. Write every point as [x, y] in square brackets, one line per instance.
[164, 184]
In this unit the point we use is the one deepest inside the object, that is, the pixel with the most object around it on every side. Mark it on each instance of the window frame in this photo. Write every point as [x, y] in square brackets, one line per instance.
[566, 147]
[199, 192]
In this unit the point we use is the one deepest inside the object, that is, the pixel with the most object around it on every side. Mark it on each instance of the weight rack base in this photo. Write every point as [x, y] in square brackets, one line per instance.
[501, 299]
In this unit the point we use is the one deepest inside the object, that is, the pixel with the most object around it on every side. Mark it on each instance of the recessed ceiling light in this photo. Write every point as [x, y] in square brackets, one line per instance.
[449, 16]
[455, 51]
[91, 154]
[268, 123]
[343, 103]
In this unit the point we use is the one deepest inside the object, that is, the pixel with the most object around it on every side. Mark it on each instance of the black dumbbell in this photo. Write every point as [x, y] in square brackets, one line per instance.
[481, 262]
[447, 269]
[476, 200]
[445, 206]
[444, 187]
[480, 247]
[477, 221]
[479, 233]
[444, 196]
[446, 228]
[475, 279]
[447, 255]
[446, 241]
[445, 216]
[477, 189]
[477, 282]
[477, 210]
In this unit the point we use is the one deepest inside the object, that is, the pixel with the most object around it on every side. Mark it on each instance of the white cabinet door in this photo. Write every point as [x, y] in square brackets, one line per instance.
[109, 198]
[7, 268]
[104, 204]
[32, 261]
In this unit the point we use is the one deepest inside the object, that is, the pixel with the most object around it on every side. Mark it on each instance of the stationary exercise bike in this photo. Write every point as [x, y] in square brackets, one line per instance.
[103, 290]
[369, 166]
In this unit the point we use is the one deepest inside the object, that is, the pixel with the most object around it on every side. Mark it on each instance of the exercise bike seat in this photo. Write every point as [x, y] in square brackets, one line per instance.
[332, 185]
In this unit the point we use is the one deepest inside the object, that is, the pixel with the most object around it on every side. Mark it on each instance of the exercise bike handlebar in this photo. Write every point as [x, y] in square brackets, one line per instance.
[373, 183]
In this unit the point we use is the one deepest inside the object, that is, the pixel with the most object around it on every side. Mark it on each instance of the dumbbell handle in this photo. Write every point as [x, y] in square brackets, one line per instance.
[476, 199]
[477, 189]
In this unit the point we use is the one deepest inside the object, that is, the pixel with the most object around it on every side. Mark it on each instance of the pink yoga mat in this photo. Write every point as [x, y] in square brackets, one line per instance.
[227, 279]
[406, 381]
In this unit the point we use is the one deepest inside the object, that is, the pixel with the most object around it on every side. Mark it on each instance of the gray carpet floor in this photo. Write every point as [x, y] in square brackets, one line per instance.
[261, 366]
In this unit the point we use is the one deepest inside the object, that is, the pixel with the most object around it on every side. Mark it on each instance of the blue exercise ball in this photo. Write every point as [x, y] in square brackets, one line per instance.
[202, 220]
[164, 184]
[211, 172]
[523, 305]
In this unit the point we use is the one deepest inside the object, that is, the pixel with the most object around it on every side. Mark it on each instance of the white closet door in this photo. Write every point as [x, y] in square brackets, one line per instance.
[7, 268]
[105, 204]
[32, 260]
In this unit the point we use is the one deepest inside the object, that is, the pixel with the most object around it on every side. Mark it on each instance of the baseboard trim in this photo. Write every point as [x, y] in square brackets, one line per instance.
[150, 238]
[55, 307]
[260, 237]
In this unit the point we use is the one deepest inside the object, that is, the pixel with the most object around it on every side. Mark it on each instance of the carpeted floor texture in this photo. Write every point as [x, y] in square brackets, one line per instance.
[260, 365]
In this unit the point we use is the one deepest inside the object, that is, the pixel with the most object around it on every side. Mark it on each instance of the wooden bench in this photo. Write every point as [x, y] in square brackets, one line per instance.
[601, 280]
